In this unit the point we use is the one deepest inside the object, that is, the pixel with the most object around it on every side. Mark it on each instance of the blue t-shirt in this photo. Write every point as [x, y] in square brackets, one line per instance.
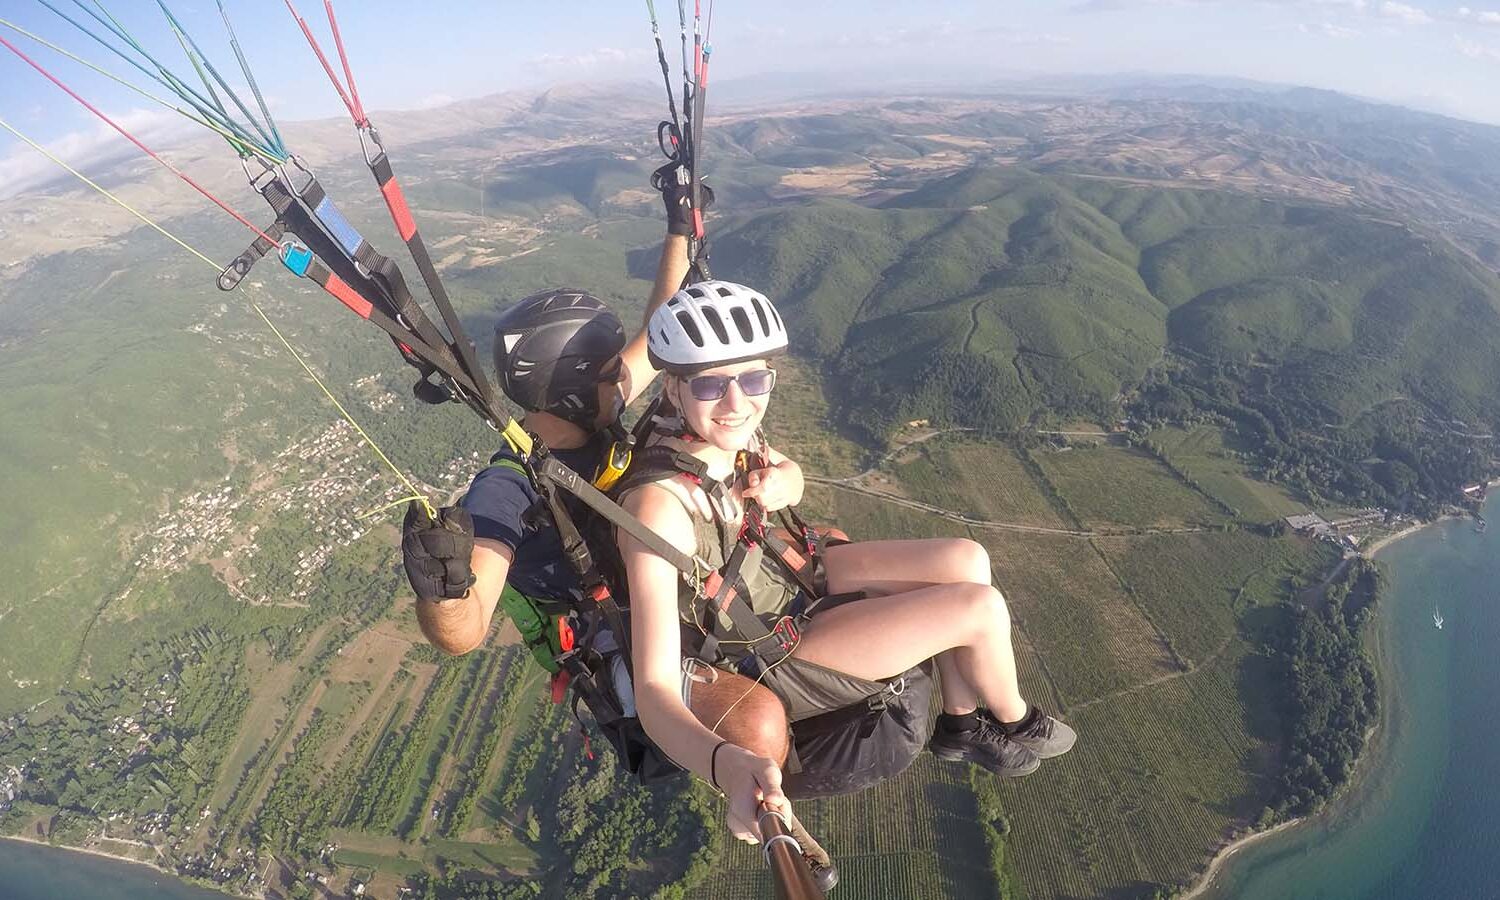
[498, 500]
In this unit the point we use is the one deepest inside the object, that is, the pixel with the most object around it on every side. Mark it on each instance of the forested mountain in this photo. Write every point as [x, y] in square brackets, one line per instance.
[990, 296]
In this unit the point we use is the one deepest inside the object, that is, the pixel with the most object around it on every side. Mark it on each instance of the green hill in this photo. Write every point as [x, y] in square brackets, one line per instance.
[991, 297]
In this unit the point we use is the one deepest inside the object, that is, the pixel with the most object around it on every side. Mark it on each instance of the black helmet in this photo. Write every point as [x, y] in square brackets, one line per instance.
[551, 350]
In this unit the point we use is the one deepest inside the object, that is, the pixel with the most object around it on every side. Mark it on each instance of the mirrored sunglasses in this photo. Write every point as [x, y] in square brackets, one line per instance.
[754, 383]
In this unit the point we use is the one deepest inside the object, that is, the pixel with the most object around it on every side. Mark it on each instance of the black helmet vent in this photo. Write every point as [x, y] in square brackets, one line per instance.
[690, 327]
[760, 312]
[716, 322]
[742, 322]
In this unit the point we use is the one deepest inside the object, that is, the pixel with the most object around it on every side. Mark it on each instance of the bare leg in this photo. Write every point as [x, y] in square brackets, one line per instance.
[880, 637]
[755, 720]
[894, 567]
[742, 712]
[890, 567]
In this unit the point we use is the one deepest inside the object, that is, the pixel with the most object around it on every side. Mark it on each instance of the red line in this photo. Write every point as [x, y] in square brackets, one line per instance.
[313, 42]
[360, 118]
[132, 138]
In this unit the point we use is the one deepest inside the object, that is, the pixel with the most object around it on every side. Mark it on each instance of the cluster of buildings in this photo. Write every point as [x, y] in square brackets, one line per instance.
[200, 519]
[10, 782]
[1339, 531]
[240, 870]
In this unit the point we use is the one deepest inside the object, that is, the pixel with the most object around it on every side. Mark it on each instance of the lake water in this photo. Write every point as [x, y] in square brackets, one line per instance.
[34, 872]
[1425, 822]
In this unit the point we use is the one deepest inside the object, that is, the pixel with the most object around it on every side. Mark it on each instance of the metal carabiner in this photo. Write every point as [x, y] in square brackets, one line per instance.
[374, 139]
[261, 180]
[291, 183]
[668, 131]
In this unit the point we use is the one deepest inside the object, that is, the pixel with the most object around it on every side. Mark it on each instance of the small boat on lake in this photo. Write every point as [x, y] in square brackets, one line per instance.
[1437, 619]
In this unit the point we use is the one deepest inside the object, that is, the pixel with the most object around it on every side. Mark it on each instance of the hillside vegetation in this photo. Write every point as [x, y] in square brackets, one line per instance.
[989, 297]
[209, 652]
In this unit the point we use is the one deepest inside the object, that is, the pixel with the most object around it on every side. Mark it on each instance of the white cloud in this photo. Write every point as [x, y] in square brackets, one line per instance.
[589, 59]
[23, 168]
[433, 101]
[1328, 29]
[1479, 16]
[1407, 15]
[1476, 50]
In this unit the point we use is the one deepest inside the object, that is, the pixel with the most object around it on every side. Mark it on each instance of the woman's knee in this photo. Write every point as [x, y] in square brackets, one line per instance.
[960, 560]
[974, 560]
[985, 609]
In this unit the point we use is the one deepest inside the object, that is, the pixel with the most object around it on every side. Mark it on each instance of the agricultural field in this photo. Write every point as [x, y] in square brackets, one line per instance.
[912, 837]
[1212, 458]
[1086, 629]
[1161, 775]
[801, 423]
[1195, 586]
[981, 479]
[1112, 488]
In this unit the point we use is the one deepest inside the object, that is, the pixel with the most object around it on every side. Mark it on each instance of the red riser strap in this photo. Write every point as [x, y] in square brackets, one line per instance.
[348, 296]
[395, 200]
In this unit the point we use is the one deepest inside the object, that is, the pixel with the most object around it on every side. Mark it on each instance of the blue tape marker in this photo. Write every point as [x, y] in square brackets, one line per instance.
[338, 226]
[296, 258]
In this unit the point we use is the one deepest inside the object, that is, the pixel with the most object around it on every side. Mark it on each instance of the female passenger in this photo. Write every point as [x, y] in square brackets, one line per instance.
[924, 599]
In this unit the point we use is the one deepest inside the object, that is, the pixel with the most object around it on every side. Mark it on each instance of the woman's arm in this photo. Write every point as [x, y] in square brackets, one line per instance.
[657, 656]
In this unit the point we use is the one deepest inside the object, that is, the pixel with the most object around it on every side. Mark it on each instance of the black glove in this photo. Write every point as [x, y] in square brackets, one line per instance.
[675, 184]
[436, 554]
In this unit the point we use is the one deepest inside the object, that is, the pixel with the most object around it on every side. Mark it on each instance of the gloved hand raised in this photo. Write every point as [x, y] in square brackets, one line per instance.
[675, 183]
[436, 554]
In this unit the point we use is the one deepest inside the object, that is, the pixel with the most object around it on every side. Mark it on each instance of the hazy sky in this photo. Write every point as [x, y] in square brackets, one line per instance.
[1436, 56]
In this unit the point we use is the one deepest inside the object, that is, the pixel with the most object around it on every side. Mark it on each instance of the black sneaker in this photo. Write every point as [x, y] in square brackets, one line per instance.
[1043, 735]
[988, 746]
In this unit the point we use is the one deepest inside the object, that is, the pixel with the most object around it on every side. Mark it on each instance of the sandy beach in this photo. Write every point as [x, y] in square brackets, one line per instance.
[114, 856]
[1206, 880]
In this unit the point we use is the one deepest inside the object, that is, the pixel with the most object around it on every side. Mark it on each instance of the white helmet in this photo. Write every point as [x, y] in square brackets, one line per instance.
[713, 323]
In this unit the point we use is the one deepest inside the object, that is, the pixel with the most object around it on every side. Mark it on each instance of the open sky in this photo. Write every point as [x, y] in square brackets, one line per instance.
[1436, 56]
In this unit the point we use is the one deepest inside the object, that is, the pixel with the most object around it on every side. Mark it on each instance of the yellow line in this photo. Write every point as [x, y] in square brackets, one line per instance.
[253, 305]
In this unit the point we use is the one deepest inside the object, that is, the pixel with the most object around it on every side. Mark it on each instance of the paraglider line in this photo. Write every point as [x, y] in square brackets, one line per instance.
[134, 140]
[416, 492]
[234, 139]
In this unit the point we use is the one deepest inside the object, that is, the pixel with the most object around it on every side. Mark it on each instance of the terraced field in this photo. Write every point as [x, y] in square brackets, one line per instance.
[912, 837]
[983, 480]
[1091, 635]
[1109, 487]
[1195, 585]
[1160, 775]
[1210, 457]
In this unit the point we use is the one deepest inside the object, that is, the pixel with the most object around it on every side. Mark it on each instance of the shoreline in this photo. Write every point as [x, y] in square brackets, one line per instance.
[167, 873]
[106, 855]
[1205, 882]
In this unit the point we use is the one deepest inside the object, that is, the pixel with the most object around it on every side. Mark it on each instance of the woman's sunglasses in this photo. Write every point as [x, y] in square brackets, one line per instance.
[754, 383]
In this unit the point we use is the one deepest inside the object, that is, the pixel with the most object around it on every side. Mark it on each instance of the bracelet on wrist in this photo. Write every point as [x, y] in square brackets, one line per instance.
[713, 766]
